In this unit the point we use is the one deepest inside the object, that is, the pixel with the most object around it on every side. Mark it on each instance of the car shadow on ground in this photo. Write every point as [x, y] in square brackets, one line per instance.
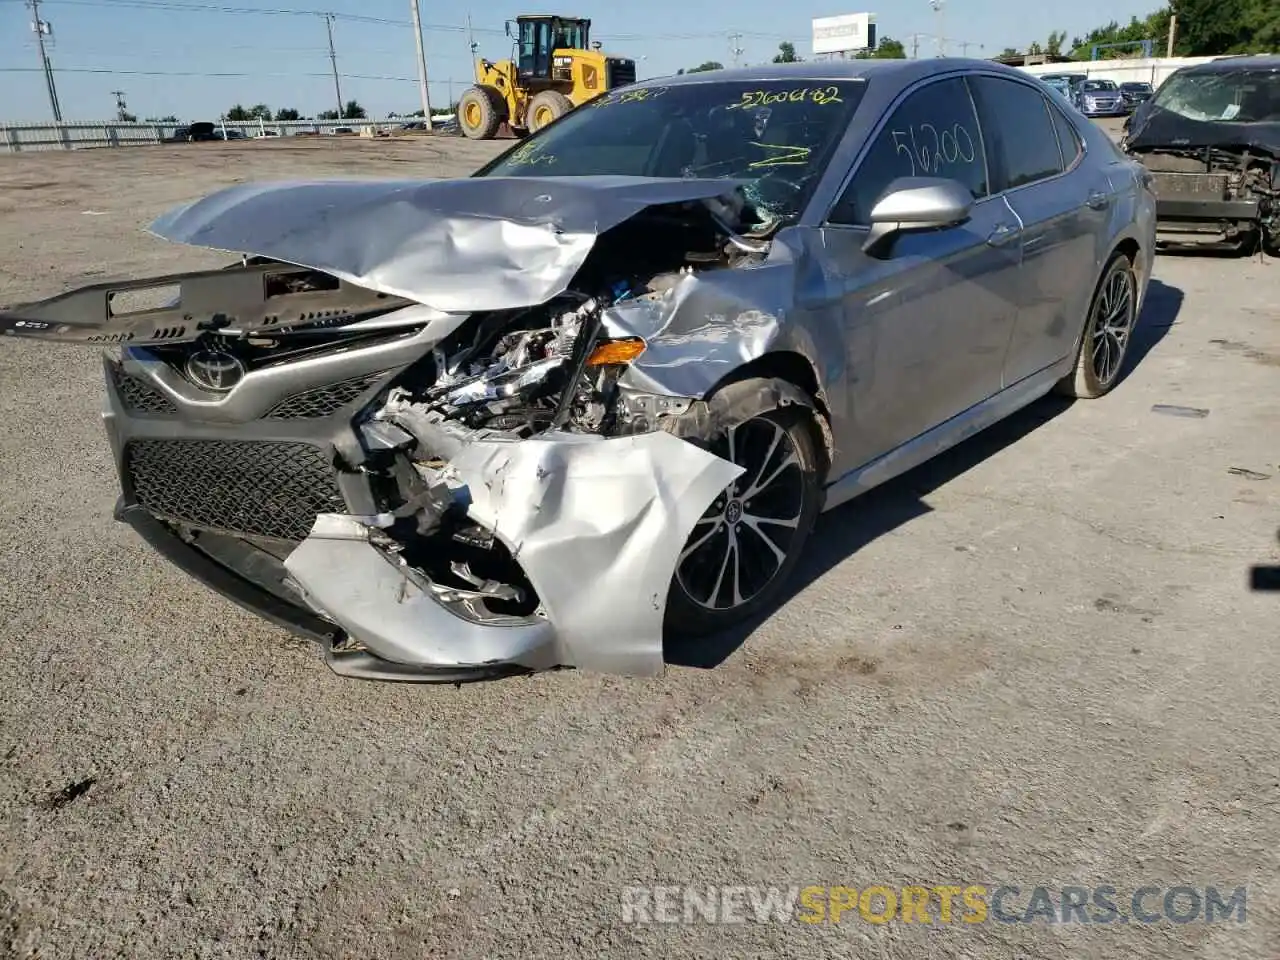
[845, 530]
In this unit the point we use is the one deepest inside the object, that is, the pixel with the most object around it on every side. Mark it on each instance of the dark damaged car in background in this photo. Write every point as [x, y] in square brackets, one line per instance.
[1211, 138]
[598, 393]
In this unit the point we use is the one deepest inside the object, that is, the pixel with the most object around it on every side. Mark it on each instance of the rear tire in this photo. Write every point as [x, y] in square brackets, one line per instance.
[1108, 331]
[480, 113]
[547, 107]
[745, 547]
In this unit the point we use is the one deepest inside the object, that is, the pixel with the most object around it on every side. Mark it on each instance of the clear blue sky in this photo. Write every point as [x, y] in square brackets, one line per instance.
[163, 52]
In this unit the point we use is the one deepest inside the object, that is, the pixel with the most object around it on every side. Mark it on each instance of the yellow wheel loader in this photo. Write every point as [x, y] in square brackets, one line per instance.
[553, 69]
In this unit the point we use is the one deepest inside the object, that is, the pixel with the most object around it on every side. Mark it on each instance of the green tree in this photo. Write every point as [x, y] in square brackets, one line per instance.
[786, 53]
[1206, 28]
[260, 111]
[237, 113]
[287, 113]
[886, 49]
[1053, 46]
[353, 111]
[705, 66]
[1010, 52]
[1154, 27]
[1225, 26]
[327, 115]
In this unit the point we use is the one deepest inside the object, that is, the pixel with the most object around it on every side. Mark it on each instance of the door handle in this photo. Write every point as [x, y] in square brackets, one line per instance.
[1002, 234]
[1098, 200]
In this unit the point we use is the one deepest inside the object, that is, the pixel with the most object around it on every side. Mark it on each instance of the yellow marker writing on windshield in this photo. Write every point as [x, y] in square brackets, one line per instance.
[630, 96]
[531, 155]
[785, 156]
[765, 98]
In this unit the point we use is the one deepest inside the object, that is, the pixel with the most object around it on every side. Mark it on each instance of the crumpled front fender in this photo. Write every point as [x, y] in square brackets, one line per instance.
[597, 524]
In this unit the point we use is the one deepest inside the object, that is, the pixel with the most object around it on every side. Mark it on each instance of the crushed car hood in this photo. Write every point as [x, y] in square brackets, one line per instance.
[457, 245]
[1155, 129]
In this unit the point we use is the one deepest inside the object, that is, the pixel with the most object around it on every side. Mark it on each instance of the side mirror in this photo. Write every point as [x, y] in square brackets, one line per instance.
[916, 203]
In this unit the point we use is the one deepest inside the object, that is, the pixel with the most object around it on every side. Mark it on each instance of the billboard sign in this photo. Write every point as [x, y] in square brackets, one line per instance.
[852, 31]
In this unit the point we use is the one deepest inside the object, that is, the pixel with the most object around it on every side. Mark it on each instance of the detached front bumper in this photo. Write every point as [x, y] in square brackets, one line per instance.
[597, 526]
[264, 513]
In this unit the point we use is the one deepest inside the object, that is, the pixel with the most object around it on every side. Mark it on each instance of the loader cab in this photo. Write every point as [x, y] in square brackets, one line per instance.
[537, 37]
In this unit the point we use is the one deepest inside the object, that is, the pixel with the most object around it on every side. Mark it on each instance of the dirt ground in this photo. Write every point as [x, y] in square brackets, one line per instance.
[1034, 661]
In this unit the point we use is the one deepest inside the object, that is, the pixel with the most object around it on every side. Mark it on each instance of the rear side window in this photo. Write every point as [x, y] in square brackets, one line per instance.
[932, 133]
[1022, 142]
[1068, 139]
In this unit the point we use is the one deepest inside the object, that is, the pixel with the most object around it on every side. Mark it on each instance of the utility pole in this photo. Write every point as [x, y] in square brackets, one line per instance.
[42, 27]
[942, 39]
[121, 107]
[422, 64]
[471, 43]
[966, 44]
[735, 47]
[1173, 32]
[333, 62]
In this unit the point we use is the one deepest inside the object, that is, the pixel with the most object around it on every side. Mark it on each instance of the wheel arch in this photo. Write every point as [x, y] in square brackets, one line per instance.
[797, 370]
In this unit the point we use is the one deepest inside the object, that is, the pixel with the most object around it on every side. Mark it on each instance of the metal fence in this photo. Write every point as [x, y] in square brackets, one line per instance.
[23, 137]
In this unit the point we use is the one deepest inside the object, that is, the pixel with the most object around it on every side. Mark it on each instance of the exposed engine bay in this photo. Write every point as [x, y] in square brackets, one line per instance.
[527, 370]
[1215, 194]
[514, 374]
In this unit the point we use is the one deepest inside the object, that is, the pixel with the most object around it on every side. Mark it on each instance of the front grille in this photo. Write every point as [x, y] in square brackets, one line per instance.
[621, 73]
[138, 396]
[263, 488]
[322, 401]
[1203, 184]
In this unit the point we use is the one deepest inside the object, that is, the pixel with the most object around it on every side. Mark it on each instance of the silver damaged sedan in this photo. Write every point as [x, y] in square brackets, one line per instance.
[600, 391]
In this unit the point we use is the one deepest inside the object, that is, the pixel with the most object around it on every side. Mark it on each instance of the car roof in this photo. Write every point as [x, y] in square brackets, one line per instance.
[1263, 61]
[905, 71]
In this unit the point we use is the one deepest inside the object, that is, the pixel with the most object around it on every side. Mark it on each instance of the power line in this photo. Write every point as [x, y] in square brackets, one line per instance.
[103, 71]
[384, 21]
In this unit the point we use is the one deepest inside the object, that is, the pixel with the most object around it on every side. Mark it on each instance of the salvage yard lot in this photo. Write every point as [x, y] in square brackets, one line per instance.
[1034, 661]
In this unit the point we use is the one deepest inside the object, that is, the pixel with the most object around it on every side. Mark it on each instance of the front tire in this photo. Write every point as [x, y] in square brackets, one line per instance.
[479, 113]
[746, 545]
[1108, 330]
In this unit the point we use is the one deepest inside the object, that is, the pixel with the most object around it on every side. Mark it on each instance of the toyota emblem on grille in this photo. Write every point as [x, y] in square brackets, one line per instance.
[214, 370]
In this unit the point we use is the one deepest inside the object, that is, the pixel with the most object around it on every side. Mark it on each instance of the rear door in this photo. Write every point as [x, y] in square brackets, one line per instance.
[928, 325]
[1062, 203]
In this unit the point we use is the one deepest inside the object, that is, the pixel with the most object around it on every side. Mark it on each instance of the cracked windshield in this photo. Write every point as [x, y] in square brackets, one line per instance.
[1246, 96]
[777, 135]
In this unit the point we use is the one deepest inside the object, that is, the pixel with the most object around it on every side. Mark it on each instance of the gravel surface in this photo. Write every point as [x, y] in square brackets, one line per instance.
[1033, 661]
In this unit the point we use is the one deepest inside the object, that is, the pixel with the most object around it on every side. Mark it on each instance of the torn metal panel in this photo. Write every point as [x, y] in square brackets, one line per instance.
[463, 245]
[380, 603]
[596, 524]
[270, 298]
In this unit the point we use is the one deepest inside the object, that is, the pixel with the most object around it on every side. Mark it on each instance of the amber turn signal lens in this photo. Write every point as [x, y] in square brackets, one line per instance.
[616, 351]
